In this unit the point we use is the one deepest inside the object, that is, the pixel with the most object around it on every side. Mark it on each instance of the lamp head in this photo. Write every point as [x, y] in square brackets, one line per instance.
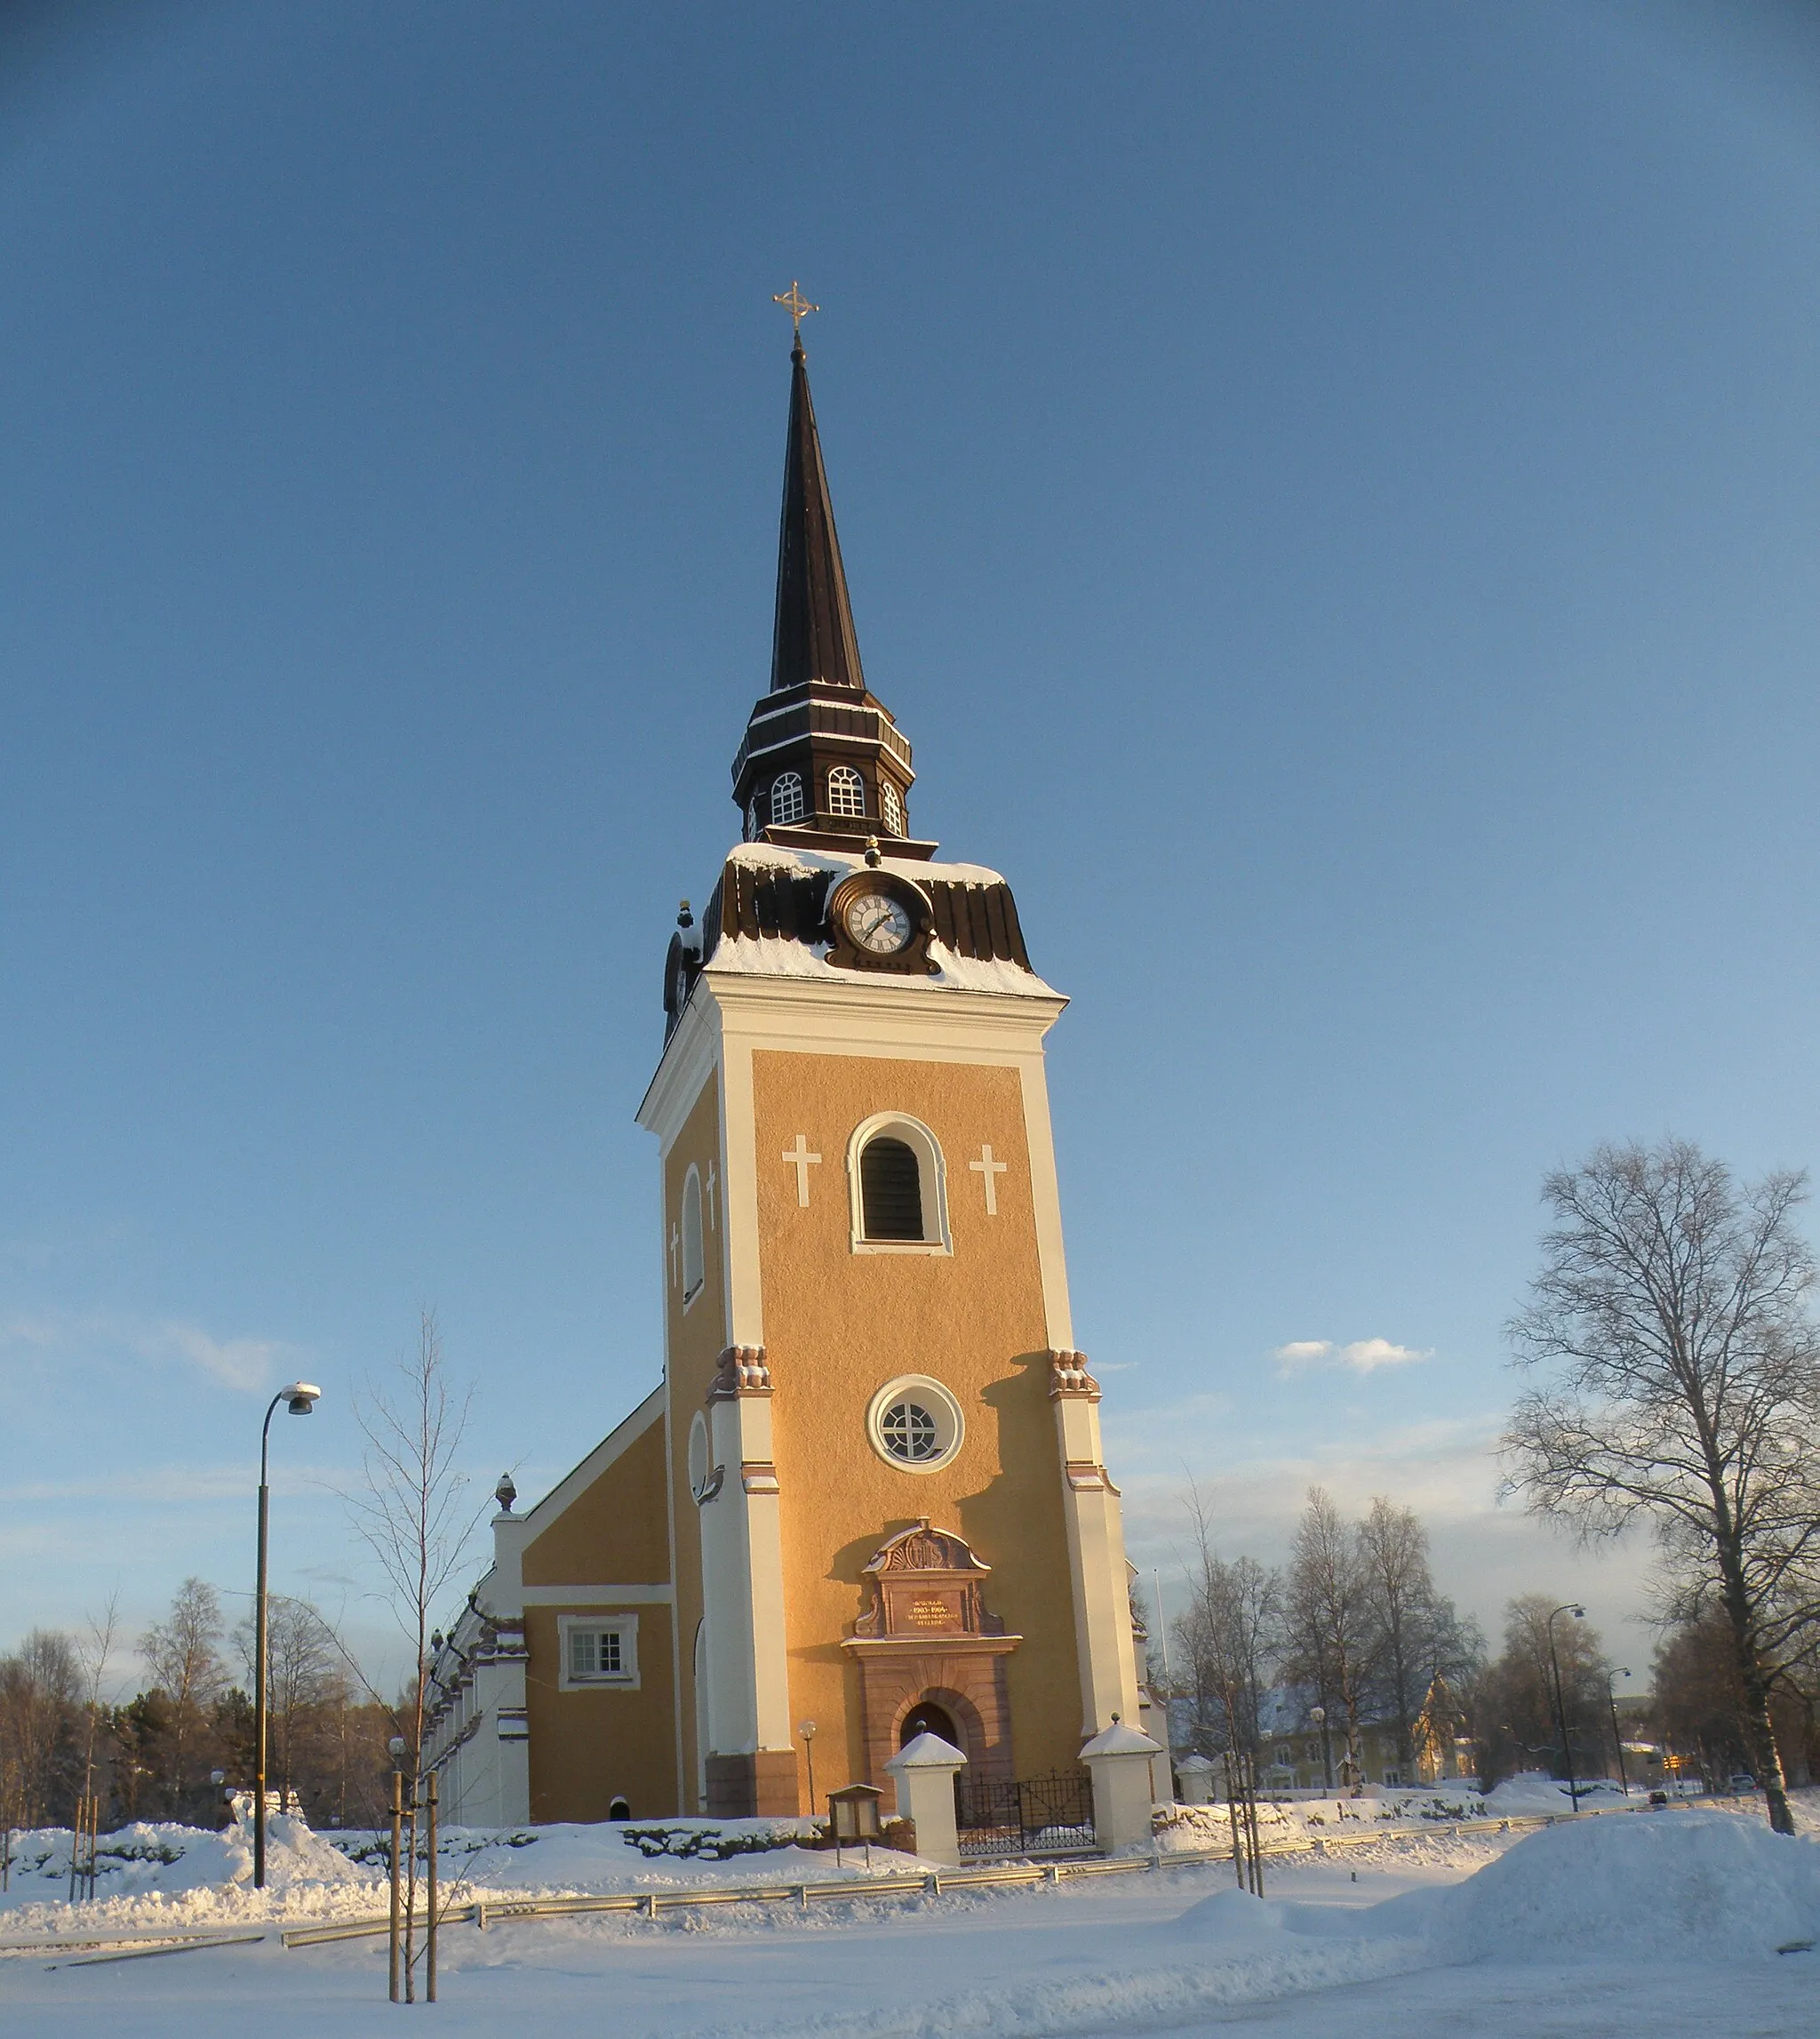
[1579, 1614]
[300, 1398]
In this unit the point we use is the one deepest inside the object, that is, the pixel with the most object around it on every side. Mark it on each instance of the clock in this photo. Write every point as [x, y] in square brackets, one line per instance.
[878, 920]
[877, 923]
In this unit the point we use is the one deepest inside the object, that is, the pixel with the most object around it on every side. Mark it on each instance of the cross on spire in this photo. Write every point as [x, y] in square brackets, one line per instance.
[798, 306]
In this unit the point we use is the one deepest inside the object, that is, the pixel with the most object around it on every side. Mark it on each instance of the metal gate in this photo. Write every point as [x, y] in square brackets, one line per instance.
[1050, 1815]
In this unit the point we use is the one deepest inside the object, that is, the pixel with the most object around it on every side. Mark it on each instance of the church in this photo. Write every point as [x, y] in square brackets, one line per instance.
[867, 1499]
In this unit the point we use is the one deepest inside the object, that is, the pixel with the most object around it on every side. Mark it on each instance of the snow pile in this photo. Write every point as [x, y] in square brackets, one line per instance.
[1670, 1886]
[149, 1873]
[1533, 1792]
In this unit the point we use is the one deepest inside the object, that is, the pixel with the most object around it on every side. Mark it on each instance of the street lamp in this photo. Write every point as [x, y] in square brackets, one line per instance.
[1560, 1705]
[299, 1399]
[806, 1729]
[1317, 1715]
[1616, 1733]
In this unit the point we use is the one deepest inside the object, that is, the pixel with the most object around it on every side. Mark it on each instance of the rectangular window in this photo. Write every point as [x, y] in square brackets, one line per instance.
[599, 1650]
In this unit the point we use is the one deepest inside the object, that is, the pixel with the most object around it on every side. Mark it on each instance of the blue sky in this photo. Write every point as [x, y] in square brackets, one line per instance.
[1330, 492]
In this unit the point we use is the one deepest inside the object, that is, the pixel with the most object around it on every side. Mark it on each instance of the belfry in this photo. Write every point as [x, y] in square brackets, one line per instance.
[868, 1493]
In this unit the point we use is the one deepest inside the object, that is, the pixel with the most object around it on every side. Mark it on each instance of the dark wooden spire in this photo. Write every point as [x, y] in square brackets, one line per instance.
[813, 637]
[823, 760]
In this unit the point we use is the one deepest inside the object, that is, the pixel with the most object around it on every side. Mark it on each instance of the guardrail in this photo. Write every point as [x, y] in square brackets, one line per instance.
[482, 1913]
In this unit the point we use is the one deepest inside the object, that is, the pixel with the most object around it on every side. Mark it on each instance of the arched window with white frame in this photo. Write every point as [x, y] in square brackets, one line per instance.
[846, 791]
[890, 806]
[898, 1186]
[694, 1260]
[787, 798]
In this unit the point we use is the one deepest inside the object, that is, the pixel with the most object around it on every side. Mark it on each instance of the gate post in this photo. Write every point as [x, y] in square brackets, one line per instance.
[1119, 1759]
[925, 1770]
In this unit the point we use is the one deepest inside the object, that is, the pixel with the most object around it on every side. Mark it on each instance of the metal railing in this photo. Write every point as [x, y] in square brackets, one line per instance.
[483, 1913]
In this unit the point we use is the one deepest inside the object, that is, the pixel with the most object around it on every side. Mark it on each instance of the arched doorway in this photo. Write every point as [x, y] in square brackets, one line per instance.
[928, 1718]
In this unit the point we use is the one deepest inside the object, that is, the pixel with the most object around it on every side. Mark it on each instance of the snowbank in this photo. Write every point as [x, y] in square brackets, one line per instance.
[1670, 1885]
[152, 1873]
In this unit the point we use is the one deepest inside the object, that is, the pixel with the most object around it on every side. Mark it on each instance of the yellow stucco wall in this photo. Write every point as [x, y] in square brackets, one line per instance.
[589, 1746]
[839, 1324]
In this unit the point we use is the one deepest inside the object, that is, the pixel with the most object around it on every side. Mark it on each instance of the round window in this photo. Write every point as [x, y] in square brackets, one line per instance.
[916, 1424]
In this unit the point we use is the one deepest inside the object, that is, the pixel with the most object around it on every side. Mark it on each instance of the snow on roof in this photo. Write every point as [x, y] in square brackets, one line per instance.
[757, 955]
[763, 955]
[773, 857]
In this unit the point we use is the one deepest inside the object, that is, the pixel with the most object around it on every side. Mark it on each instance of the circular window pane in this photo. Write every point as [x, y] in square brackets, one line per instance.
[914, 1424]
[909, 1431]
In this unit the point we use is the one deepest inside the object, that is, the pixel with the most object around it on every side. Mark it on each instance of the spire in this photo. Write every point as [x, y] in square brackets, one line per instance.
[823, 763]
[813, 637]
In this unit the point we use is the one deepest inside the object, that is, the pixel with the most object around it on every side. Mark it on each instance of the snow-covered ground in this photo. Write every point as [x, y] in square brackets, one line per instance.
[1666, 1922]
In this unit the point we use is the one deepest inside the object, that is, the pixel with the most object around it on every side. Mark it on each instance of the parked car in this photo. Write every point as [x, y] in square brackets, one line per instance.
[1742, 1780]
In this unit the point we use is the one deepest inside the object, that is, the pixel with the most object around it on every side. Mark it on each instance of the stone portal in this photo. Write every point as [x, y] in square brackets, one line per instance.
[929, 1652]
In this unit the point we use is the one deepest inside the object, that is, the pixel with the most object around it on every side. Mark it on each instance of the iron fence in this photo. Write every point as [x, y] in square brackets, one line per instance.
[1050, 1815]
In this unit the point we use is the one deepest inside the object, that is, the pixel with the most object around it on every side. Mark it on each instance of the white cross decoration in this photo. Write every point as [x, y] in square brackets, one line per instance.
[802, 1160]
[711, 1205]
[675, 1245]
[985, 1168]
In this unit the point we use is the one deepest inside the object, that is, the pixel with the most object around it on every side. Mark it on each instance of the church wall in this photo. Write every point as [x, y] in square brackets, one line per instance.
[839, 1323]
[614, 1530]
[695, 1338]
[589, 1745]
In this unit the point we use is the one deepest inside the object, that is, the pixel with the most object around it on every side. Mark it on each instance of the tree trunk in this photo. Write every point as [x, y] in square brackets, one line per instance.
[1759, 1729]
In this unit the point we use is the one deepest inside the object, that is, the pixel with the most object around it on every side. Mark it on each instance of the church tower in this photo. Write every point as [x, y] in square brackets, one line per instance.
[887, 1505]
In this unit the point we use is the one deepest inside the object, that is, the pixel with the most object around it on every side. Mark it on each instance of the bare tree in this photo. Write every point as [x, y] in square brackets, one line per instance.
[417, 1516]
[98, 1646]
[304, 1678]
[1332, 1638]
[1417, 1634]
[40, 1698]
[1226, 1637]
[182, 1654]
[1518, 1723]
[1684, 1390]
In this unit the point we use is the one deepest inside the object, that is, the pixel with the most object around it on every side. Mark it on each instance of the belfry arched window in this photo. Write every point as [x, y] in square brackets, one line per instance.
[898, 1187]
[786, 798]
[890, 1189]
[890, 808]
[694, 1262]
[846, 791]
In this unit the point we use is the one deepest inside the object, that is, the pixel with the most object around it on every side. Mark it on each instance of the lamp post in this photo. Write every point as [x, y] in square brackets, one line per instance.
[1618, 1739]
[299, 1398]
[1560, 1704]
[1317, 1715]
[806, 1729]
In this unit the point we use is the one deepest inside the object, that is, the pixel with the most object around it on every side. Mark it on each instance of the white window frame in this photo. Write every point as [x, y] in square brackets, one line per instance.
[932, 1170]
[790, 784]
[852, 786]
[692, 1214]
[951, 1421]
[891, 807]
[624, 1679]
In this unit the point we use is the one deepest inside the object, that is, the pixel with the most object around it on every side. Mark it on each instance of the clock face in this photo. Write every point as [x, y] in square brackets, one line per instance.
[877, 923]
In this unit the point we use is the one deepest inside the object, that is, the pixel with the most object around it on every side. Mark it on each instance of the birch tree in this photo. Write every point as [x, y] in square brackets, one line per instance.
[1676, 1375]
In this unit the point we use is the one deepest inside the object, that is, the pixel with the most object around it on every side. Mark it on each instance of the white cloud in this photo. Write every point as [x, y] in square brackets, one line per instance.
[1293, 1357]
[1372, 1353]
[242, 1363]
[1364, 1356]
